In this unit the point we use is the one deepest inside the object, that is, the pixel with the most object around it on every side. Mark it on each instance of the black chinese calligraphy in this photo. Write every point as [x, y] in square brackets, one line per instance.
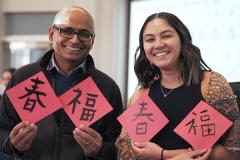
[75, 100]
[31, 102]
[89, 108]
[142, 126]
[207, 128]
[87, 114]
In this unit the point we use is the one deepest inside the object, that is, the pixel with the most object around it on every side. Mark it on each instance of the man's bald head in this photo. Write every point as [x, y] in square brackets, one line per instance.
[63, 17]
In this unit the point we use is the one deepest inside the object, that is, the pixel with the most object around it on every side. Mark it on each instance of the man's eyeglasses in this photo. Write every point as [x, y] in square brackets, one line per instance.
[83, 35]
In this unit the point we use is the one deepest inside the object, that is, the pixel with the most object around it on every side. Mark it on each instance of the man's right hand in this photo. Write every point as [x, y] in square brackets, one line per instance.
[22, 135]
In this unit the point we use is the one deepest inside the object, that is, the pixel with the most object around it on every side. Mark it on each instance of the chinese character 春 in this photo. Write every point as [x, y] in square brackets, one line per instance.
[31, 102]
[142, 126]
[141, 114]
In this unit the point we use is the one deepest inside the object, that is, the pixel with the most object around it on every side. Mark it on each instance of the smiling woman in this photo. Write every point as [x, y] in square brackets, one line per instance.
[213, 25]
[159, 40]
[169, 67]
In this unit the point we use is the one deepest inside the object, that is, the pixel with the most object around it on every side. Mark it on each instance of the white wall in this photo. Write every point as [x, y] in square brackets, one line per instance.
[109, 49]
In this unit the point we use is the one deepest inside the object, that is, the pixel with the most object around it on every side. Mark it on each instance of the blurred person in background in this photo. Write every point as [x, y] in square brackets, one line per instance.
[7, 75]
[5, 78]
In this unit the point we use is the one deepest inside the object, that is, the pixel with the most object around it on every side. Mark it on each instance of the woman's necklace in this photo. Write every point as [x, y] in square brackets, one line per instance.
[166, 94]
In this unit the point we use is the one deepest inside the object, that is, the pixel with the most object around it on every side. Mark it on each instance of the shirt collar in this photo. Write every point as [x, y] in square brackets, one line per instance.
[52, 64]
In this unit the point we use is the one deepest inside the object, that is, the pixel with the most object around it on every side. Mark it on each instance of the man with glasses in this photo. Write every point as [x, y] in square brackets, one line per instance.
[68, 63]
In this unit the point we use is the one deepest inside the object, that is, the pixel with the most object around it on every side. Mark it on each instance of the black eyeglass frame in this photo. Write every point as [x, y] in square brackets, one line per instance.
[73, 32]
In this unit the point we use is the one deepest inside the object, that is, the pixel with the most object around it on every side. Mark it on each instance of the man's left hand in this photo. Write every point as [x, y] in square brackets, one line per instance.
[88, 139]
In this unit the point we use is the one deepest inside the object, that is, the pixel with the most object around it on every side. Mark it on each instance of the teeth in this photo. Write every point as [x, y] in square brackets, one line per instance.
[160, 54]
[74, 49]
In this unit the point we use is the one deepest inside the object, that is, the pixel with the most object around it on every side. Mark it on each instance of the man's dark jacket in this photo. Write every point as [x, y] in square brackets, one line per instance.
[54, 140]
